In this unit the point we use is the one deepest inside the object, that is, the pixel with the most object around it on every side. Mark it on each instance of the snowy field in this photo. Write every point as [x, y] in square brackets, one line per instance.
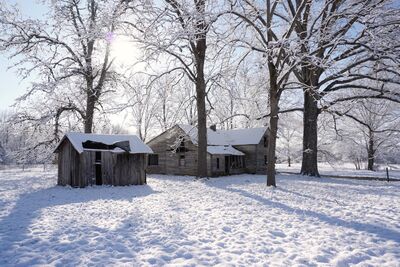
[346, 169]
[175, 221]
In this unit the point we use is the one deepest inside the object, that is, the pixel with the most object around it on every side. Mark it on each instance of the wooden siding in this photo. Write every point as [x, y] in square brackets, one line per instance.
[261, 152]
[168, 160]
[221, 170]
[78, 170]
[213, 163]
[250, 158]
[254, 157]
[68, 165]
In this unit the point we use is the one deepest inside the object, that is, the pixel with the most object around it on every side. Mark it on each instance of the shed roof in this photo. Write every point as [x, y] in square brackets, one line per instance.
[224, 150]
[248, 136]
[136, 146]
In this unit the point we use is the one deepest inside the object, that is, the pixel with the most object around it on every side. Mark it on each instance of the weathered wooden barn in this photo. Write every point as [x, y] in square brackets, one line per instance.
[95, 159]
[229, 151]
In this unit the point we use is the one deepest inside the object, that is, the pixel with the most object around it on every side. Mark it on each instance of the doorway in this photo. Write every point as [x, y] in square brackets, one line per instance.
[227, 165]
[99, 180]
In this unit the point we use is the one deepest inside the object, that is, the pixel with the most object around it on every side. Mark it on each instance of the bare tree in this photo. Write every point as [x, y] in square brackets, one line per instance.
[377, 125]
[70, 46]
[272, 37]
[240, 95]
[289, 133]
[178, 31]
[141, 104]
[339, 40]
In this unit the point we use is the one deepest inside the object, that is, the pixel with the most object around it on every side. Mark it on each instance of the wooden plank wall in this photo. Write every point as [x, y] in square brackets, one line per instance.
[129, 169]
[122, 169]
[261, 152]
[250, 158]
[168, 161]
[88, 169]
[254, 158]
[69, 166]
[78, 170]
[213, 163]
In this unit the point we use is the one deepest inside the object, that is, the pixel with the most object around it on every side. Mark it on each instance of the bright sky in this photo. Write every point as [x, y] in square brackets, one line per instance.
[11, 86]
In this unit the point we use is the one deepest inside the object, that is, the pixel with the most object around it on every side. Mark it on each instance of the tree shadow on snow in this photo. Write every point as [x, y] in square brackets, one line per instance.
[377, 230]
[15, 227]
[352, 185]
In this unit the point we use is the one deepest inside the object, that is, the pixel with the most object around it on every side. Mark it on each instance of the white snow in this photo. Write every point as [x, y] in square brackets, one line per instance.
[224, 150]
[248, 136]
[136, 145]
[345, 169]
[176, 221]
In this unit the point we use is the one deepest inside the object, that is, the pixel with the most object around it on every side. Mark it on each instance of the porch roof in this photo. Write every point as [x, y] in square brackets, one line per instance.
[224, 150]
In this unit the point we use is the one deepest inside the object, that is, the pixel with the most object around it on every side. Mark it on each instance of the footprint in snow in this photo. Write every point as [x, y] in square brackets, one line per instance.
[277, 233]
[227, 229]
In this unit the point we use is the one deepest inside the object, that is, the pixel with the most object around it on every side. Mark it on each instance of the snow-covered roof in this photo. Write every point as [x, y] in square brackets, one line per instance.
[250, 136]
[136, 146]
[224, 150]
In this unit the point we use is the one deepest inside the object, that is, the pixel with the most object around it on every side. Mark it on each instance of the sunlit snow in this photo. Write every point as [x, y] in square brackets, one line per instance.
[223, 221]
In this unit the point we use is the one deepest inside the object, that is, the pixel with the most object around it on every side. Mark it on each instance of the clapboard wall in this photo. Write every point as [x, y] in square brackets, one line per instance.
[78, 170]
[168, 160]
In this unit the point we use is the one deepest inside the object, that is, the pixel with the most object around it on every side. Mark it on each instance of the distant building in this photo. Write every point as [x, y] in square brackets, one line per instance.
[229, 151]
[94, 159]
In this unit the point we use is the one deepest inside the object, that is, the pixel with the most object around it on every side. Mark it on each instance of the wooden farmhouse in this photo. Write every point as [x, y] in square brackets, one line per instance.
[94, 159]
[229, 151]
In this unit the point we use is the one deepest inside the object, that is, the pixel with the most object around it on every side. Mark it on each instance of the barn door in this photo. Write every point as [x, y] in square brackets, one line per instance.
[99, 179]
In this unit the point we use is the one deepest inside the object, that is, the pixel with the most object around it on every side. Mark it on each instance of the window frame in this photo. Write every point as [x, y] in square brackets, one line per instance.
[151, 162]
[181, 161]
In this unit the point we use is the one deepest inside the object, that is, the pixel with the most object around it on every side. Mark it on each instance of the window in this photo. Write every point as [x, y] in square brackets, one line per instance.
[181, 147]
[153, 159]
[217, 163]
[265, 141]
[182, 144]
[181, 160]
[265, 159]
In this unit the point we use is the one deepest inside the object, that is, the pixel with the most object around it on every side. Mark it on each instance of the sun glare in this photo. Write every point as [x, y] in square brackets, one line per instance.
[123, 51]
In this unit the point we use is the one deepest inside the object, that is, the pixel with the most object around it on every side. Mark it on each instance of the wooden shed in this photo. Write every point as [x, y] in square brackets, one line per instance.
[95, 159]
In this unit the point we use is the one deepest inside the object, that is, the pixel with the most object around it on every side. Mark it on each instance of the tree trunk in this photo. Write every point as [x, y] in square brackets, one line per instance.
[202, 131]
[309, 164]
[201, 105]
[273, 126]
[371, 151]
[90, 104]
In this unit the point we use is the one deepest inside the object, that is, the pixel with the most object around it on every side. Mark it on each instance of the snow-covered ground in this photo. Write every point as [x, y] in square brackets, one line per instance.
[346, 169]
[226, 221]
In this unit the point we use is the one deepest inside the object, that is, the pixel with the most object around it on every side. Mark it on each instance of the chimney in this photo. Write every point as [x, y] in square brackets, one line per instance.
[213, 127]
